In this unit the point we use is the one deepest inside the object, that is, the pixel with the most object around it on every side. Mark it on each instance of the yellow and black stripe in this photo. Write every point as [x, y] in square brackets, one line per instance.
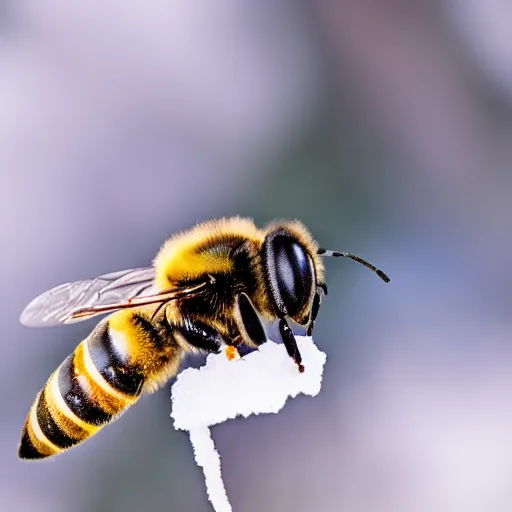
[92, 387]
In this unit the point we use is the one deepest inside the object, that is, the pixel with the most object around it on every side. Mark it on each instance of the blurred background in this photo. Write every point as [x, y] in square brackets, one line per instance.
[386, 126]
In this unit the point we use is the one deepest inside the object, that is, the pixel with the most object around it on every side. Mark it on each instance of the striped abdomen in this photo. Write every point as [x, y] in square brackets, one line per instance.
[94, 385]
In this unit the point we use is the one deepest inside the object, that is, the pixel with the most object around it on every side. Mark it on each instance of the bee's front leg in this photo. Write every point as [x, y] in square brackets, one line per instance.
[200, 335]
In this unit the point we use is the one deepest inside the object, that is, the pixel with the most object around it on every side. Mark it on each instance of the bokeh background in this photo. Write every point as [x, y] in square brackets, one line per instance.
[386, 126]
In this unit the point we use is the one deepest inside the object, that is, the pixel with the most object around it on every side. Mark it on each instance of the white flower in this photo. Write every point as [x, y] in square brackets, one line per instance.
[223, 389]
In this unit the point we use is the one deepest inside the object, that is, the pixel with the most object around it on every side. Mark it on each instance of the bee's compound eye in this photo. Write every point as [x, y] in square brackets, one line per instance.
[294, 273]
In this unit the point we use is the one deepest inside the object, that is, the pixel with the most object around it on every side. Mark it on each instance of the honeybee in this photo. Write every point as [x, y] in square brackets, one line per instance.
[213, 287]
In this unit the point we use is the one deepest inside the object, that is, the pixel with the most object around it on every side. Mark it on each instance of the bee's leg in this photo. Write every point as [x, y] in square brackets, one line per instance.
[249, 325]
[290, 343]
[200, 335]
[315, 308]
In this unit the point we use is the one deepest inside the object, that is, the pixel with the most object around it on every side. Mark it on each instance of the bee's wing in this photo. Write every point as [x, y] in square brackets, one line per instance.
[56, 306]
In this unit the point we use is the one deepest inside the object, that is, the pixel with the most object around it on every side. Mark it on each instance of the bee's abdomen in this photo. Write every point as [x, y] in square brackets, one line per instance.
[93, 386]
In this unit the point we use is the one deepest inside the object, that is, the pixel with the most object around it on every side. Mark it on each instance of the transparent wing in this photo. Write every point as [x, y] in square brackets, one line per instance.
[56, 306]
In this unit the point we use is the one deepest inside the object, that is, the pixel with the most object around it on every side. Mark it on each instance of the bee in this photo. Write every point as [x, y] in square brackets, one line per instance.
[211, 288]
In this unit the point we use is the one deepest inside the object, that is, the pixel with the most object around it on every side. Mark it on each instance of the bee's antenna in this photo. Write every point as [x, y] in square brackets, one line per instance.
[337, 254]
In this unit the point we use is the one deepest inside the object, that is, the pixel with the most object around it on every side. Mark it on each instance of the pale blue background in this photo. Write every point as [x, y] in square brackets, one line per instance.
[386, 126]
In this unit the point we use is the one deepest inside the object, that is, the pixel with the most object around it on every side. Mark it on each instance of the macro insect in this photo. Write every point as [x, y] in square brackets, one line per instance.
[211, 288]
